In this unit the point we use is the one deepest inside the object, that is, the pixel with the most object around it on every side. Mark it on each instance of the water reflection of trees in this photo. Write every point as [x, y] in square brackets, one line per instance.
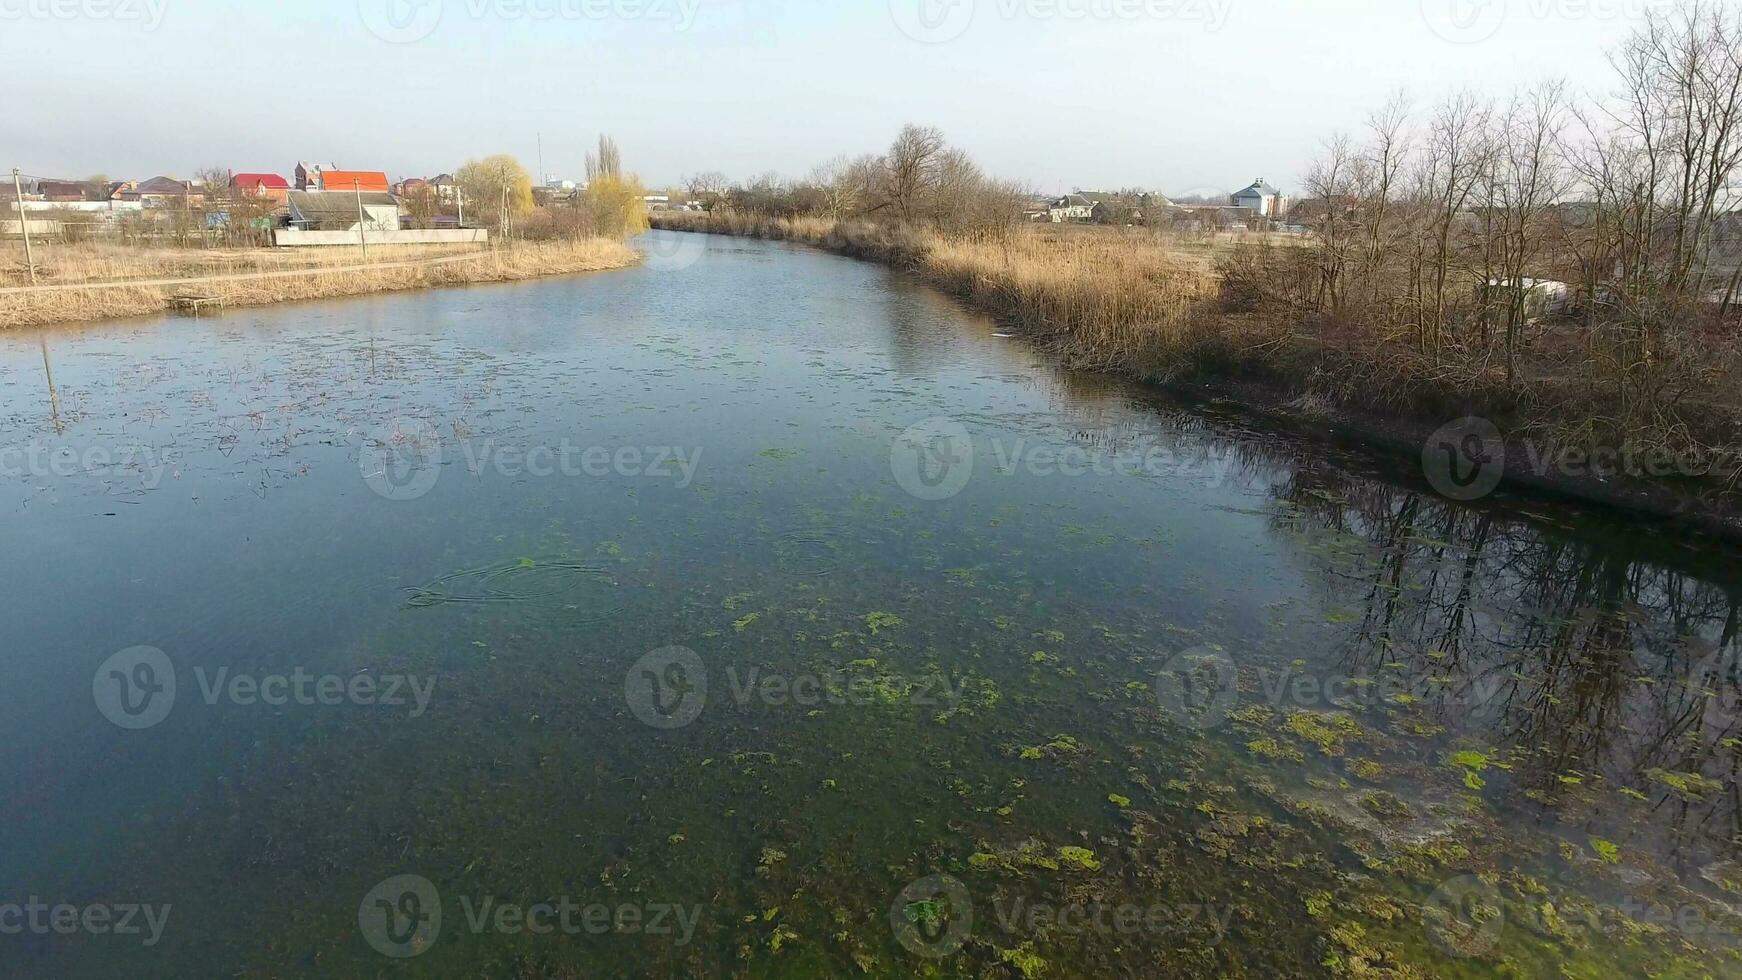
[1587, 652]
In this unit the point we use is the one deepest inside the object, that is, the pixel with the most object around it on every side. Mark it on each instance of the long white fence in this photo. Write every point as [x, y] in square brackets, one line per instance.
[299, 238]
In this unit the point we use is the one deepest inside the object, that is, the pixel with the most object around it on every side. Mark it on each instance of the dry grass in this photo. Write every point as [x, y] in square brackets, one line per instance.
[60, 264]
[324, 276]
[1109, 298]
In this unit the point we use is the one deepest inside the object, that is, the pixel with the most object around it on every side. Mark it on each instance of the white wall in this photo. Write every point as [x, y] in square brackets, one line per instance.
[296, 237]
[90, 206]
[37, 227]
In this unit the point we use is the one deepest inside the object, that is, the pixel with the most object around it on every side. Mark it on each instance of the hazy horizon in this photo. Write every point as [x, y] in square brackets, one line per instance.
[1179, 96]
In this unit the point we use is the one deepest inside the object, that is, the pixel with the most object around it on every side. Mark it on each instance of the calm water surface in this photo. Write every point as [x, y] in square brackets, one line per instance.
[762, 613]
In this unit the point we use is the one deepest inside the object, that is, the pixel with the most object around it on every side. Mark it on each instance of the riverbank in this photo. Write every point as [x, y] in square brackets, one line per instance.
[1134, 304]
[95, 282]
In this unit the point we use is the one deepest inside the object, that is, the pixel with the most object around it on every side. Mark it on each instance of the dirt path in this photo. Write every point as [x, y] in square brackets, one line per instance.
[236, 277]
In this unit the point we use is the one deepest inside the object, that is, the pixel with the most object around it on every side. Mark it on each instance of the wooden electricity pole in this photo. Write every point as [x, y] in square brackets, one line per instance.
[23, 223]
[362, 230]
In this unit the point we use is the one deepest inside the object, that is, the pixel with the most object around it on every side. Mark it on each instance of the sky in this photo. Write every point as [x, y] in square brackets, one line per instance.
[1181, 96]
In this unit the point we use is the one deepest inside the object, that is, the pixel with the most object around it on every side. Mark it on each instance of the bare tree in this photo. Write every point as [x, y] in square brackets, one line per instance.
[1457, 155]
[606, 162]
[911, 170]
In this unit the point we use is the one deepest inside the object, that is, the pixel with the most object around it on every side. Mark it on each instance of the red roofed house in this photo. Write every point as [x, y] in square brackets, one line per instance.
[367, 181]
[262, 185]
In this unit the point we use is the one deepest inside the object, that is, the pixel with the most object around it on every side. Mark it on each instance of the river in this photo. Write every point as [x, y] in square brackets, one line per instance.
[760, 612]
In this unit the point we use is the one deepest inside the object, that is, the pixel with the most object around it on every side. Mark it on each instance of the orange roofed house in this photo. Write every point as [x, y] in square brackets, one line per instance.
[310, 177]
[367, 181]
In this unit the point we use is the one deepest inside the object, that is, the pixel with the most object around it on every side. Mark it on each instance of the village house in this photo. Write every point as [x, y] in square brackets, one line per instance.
[1073, 207]
[270, 186]
[367, 181]
[1262, 200]
[446, 187]
[343, 210]
[161, 192]
[63, 190]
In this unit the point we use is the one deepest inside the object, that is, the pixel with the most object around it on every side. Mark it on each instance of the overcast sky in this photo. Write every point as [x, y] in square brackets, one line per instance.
[1174, 95]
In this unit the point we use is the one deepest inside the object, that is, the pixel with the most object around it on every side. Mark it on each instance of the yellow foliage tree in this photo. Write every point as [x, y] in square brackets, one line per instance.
[482, 182]
[615, 206]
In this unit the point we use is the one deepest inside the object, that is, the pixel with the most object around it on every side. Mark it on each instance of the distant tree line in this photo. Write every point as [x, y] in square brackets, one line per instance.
[919, 180]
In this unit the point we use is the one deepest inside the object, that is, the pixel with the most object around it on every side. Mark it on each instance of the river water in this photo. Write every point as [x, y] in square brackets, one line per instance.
[759, 612]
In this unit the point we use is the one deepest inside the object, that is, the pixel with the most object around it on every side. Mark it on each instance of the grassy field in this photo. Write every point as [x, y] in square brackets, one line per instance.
[279, 274]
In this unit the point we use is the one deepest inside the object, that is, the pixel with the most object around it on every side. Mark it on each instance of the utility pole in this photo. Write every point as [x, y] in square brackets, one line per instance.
[23, 223]
[541, 177]
[362, 231]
